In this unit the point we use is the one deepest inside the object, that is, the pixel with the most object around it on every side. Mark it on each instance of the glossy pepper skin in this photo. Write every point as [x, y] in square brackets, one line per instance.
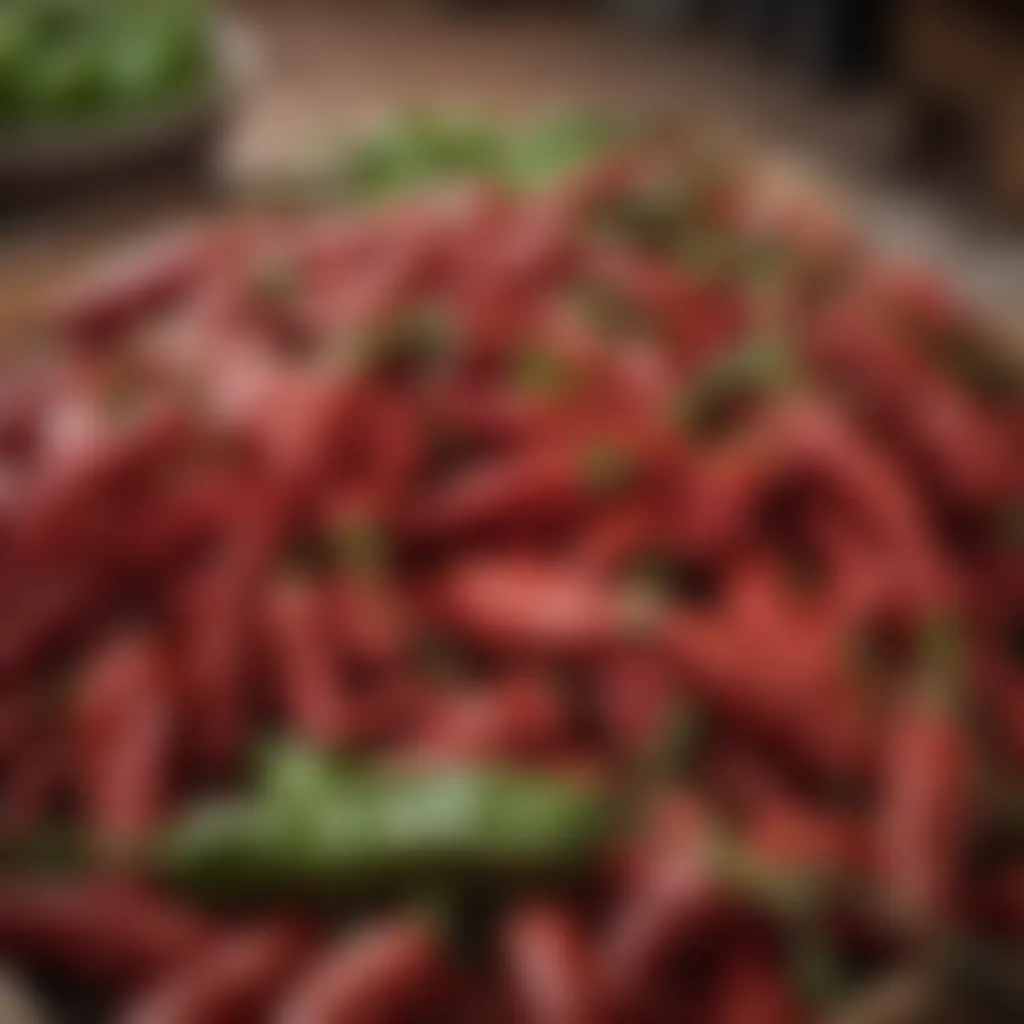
[925, 818]
[753, 989]
[308, 681]
[385, 974]
[552, 967]
[385, 830]
[125, 725]
[106, 932]
[506, 604]
[234, 979]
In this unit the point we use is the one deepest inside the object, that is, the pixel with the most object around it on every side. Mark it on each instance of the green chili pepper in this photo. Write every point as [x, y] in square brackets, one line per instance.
[313, 826]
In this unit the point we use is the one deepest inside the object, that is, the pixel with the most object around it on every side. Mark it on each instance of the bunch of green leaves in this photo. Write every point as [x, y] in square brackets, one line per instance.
[417, 150]
[83, 62]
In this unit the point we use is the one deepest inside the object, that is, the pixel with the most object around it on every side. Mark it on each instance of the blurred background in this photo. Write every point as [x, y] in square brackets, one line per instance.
[117, 115]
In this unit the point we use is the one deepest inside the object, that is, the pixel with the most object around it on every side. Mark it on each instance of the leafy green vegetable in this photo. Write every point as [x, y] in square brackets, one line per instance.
[77, 62]
[419, 150]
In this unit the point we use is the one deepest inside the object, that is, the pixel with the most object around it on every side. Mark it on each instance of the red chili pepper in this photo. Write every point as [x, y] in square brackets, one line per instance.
[214, 618]
[370, 621]
[122, 731]
[19, 721]
[99, 931]
[924, 824]
[49, 610]
[387, 974]
[137, 285]
[307, 678]
[521, 605]
[33, 791]
[819, 721]
[1000, 693]
[675, 902]
[751, 987]
[695, 316]
[173, 527]
[796, 836]
[637, 697]
[997, 901]
[817, 444]
[963, 456]
[924, 818]
[298, 434]
[73, 488]
[518, 720]
[621, 536]
[551, 967]
[545, 484]
[233, 979]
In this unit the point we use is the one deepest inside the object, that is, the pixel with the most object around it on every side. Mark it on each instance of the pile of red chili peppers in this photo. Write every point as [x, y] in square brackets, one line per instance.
[655, 482]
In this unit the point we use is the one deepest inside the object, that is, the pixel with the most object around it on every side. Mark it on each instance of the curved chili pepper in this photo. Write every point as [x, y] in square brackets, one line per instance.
[552, 968]
[752, 988]
[522, 720]
[509, 604]
[97, 931]
[123, 723]
[957, 451]
[137, 285]
[234, 978]
[385, 974]
[307, 680]
[924, 815]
